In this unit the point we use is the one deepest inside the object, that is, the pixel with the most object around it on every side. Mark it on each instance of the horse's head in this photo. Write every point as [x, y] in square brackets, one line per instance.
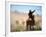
[31, 13]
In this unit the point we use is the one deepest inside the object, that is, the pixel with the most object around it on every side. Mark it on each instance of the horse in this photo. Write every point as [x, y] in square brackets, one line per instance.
[30, 21]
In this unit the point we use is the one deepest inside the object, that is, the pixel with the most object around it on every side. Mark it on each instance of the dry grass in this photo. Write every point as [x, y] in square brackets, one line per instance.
[22, 18]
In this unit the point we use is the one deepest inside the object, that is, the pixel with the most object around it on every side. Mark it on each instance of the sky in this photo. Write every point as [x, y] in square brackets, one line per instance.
[26, 8]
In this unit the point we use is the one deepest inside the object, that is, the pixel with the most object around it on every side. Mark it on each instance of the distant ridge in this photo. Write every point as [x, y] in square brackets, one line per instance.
[17, 12]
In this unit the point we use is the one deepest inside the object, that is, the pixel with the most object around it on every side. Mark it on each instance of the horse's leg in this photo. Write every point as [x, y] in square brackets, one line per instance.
[30, 27]
[26, 27]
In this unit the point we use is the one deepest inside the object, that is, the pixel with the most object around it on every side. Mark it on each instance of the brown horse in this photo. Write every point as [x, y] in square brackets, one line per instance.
[30, 22]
